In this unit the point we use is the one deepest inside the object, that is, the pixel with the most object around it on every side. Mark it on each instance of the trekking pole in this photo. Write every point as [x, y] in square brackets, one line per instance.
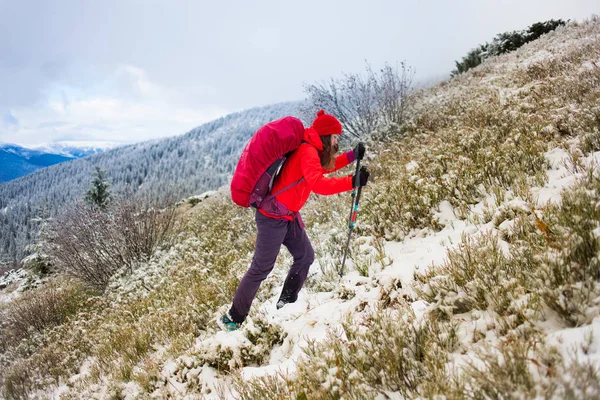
[353, 211]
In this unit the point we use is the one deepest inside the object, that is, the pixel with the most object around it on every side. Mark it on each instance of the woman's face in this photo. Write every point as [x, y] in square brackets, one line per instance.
[334, 143]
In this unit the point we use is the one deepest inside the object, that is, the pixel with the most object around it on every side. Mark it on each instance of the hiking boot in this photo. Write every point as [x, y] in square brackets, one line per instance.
[280, 304]
[283, 302]
[287, 295]
[227, 324]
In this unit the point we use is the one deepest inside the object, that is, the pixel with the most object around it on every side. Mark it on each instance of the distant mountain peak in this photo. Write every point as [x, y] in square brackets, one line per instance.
[17, 160]
[77, 149]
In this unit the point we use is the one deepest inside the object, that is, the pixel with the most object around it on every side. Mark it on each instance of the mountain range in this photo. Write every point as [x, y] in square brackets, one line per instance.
[17, 161]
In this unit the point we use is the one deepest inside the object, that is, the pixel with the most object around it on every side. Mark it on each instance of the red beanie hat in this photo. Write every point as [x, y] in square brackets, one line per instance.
[326, 124]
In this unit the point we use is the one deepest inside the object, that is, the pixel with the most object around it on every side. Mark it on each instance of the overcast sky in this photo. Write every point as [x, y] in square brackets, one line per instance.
[126, 71]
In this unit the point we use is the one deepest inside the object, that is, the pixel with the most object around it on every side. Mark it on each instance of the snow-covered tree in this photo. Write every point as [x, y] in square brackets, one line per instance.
[504, 43]
[99, 194]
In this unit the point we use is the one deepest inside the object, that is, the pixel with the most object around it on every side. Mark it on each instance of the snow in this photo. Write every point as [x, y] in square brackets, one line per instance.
[582, 342]
[411, 166]
[84, 370]
[559, 176]
[446, 213]
[204, 195]
[132, 390]
[419, 253]
[11, 284]
[539, 56]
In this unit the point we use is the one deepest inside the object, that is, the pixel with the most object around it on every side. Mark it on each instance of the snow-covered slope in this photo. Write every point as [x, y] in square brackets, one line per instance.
[474, 268]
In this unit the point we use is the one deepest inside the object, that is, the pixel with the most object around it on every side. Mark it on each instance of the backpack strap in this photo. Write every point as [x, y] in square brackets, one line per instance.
[284, 189]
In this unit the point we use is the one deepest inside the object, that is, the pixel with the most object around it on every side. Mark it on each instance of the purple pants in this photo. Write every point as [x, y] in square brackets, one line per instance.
[272, 233]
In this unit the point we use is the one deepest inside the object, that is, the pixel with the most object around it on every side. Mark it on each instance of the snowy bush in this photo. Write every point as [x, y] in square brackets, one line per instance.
[41, 308]
[91, 244]
[480, 276]
[363, 104]
[251, 345]
[171, 304]
[571, 274]
[527, 369]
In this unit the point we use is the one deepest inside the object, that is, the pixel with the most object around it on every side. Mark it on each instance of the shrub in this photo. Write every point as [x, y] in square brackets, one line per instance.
[91, 244]
[479, 275]
[475, 150]
[171, 301]
[527, 369]
[569, 279]
[554, 260]
[192, 201]
[575, 379]
[591, 141]
[473, 58]
[504, 43]
[42, 308]
[505, 371]
[4, 269]
[251, 345]
[362, 104]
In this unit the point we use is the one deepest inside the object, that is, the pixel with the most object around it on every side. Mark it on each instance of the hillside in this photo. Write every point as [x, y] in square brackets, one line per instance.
[474, 271]
[200, 160]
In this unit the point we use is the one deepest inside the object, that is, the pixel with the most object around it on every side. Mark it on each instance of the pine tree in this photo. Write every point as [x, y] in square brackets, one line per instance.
[504, 43]
[99, 194]
[38, 260]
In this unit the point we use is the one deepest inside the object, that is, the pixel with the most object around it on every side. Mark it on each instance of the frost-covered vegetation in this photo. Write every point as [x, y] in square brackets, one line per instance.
[474, 272]
[363, 103]
[504, 43]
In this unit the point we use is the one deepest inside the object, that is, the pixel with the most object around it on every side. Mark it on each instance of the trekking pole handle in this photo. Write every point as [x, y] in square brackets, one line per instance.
[356, 201]
[357, 174]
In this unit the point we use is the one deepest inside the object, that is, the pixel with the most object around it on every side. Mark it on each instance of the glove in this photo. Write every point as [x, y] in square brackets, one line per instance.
[359, 151]
[363, 177]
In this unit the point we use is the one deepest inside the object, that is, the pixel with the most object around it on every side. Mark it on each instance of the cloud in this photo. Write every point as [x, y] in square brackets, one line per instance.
[133, 82]
[10, 122]
[52, 124]
[124, 106]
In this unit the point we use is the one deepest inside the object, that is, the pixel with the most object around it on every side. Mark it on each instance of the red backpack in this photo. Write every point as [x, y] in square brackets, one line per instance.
[260, 162]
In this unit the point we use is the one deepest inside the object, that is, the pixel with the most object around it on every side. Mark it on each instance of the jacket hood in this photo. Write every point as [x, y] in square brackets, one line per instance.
[312, 136]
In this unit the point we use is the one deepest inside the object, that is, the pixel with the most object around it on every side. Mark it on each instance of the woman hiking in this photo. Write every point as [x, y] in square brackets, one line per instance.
[302, 173]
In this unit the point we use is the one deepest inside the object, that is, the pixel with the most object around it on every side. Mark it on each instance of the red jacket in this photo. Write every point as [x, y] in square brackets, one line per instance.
[304, 163]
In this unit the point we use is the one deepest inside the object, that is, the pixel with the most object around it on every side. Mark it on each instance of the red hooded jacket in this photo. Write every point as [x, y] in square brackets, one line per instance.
[304, 163]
